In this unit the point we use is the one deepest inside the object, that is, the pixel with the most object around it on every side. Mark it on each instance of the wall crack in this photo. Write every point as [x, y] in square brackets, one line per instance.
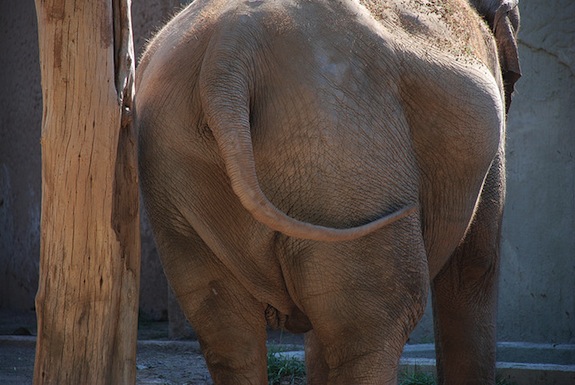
[549, 53]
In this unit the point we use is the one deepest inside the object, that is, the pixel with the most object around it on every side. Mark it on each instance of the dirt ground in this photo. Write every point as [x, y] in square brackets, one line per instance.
[167, 364]
[159, 360]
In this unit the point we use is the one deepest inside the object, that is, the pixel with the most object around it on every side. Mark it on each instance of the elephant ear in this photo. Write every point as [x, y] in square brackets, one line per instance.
[503, 19]
[505, 24]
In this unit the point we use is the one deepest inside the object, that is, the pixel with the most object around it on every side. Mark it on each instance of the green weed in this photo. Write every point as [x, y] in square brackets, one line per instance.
[503, 381]
[416, 378]
[284, 370]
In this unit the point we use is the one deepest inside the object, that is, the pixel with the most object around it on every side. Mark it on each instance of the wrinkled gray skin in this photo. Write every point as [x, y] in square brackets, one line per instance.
[318, 165]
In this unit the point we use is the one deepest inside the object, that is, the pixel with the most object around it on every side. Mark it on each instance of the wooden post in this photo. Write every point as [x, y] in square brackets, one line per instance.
[87, 300]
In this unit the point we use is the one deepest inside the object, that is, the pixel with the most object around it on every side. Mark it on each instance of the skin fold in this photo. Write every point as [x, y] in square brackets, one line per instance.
[318, 166]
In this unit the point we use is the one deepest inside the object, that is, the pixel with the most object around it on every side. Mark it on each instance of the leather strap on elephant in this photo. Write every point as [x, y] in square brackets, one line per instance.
[504, 23]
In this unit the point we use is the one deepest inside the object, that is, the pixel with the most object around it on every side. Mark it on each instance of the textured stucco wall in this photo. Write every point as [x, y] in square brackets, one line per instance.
[20, 156]
[537, 295]
[20, 179]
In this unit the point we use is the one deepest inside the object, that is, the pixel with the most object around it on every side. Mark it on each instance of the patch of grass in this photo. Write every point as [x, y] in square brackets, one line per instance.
[284, 370]
[420, 378]
[503, 381]
[416, 378]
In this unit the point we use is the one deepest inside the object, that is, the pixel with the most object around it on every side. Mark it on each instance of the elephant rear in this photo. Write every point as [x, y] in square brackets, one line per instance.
[315, 165]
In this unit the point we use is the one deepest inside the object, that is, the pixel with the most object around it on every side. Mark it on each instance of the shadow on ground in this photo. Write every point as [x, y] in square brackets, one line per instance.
[159, 360]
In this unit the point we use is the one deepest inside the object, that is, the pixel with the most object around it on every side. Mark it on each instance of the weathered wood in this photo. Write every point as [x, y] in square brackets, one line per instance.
[87, 299]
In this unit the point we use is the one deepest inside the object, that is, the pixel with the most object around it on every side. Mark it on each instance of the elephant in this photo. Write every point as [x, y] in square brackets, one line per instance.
[322, 166]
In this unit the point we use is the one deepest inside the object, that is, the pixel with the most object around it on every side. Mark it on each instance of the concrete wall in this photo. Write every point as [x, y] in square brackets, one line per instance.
[20, 162]
[20, 156]
[537, 299]
[537, 295]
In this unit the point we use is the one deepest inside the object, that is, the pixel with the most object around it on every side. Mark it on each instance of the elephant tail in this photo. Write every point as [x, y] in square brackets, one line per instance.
[225, 98]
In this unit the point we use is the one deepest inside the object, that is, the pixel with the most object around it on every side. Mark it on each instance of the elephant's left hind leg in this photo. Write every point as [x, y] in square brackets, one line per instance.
[464, 294]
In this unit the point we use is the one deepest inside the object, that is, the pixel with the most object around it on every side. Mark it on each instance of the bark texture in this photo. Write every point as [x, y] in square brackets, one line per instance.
[87, 299]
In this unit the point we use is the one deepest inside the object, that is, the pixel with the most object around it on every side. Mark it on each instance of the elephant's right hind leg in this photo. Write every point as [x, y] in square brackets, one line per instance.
[362, 313]
[229, 322]
[317, 370]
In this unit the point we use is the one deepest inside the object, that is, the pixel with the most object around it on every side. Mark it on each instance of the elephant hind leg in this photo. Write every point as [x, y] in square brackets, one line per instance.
[362, 313]
[317, 370]
[464, 294]
[232, 338]
[229, 322]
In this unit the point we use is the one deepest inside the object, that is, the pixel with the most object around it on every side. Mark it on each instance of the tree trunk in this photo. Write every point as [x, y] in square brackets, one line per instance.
[87, 300]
